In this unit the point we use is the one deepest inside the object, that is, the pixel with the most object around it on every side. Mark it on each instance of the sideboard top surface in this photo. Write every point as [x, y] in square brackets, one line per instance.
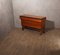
[33, 16]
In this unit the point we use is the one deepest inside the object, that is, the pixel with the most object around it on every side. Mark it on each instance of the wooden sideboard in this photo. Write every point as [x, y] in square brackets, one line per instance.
[36, 22]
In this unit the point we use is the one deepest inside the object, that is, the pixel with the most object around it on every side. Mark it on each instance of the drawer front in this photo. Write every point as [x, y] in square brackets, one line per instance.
[30, 19]
[32, 24]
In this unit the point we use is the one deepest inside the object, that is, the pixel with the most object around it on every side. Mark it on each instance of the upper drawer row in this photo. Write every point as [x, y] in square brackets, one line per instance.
[31, 19]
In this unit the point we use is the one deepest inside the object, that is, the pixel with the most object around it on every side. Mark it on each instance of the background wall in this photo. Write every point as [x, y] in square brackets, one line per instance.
[6, 17]
[48, 8]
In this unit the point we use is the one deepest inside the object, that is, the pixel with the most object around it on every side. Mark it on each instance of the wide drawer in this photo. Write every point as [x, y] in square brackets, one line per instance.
[31, 19]
[32, 24]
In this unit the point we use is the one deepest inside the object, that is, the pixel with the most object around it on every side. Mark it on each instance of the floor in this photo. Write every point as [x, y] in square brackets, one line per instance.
[29, 42]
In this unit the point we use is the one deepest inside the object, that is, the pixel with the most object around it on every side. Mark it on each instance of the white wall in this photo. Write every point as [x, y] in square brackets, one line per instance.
[6, 17]
[48, 8]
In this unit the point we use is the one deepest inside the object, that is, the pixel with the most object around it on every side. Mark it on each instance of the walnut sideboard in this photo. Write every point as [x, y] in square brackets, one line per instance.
[36, 22]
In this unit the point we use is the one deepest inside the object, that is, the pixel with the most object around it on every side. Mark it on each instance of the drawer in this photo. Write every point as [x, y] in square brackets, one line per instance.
[32, 24]
[31, 19]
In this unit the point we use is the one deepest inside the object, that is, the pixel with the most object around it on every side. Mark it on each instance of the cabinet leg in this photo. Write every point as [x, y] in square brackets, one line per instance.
[42, 31]
[22, 28]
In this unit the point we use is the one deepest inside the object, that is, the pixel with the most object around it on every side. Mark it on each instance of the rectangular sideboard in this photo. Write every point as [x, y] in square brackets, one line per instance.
[36, 22]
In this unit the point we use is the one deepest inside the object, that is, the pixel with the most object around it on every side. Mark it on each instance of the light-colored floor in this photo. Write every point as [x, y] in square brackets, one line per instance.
[29, 42]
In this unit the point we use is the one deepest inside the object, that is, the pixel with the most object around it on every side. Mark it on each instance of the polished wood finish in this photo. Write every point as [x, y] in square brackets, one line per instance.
[37, 22]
